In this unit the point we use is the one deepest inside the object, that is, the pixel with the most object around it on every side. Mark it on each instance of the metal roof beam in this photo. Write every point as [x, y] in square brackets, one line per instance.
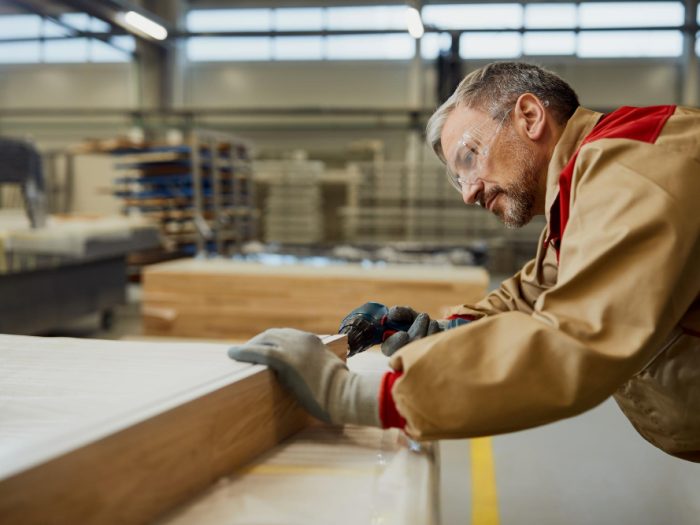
[74, 32]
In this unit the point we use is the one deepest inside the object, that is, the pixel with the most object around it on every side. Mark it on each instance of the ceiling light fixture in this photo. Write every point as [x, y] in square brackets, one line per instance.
[414, 22]
[145, 25]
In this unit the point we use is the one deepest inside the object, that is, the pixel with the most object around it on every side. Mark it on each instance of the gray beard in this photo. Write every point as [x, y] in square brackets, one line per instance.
[519, 196]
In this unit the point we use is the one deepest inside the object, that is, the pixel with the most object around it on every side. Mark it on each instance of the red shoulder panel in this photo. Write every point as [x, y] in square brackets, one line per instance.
[641, 124]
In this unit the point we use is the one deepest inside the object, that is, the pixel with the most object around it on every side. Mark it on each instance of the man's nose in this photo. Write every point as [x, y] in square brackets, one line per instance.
[471, 191]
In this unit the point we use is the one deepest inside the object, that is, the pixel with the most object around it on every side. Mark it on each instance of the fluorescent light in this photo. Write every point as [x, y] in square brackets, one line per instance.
[414, 22]
[146, 25]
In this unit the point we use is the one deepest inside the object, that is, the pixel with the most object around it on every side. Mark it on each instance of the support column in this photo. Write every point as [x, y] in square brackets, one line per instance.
[414, 139]
[161, 69]
[691, 67]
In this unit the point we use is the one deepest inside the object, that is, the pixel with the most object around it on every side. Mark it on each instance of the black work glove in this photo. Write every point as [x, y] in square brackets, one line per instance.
[420, 326]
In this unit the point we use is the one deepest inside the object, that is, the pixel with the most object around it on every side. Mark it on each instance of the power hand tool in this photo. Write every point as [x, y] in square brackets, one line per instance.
[370, 325]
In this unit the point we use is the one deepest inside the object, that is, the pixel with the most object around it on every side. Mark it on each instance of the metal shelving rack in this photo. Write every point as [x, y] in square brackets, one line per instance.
[223, 191]
[201, 193]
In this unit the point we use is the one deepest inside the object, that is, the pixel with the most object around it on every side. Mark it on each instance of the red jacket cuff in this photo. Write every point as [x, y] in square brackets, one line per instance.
[466, 317]
[388, 414]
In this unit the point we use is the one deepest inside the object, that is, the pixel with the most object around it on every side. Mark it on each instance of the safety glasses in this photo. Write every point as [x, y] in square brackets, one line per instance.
[471, 153]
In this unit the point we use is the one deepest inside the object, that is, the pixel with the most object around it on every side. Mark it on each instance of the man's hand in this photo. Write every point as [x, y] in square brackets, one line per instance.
[420, 326]
[321, 382]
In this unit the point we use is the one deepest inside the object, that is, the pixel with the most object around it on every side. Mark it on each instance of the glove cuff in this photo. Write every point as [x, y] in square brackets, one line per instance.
[359, 402]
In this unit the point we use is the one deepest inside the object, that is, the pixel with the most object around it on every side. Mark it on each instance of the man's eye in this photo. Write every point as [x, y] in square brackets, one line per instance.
[469, 158]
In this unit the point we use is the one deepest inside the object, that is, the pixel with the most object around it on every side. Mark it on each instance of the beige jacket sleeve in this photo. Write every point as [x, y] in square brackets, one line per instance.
[628, 271]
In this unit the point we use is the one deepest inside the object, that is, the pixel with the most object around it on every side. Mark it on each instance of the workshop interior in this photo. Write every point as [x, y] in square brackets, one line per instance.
[179, 176]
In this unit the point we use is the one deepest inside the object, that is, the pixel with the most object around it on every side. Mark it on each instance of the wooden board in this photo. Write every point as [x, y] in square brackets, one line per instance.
[326, 476]
[226, 299]
[119, 432]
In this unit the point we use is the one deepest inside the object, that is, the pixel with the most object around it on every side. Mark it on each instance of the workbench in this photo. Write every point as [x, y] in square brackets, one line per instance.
[128, 432]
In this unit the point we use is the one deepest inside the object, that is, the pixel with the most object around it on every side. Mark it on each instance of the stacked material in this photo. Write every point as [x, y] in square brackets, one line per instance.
[393, 202]
[71, 236]
[438, 213]
[293, 211]
[228, 299]
[72, 267]
[67, 238]
[200, 194]
[378, 197]
[107, 432]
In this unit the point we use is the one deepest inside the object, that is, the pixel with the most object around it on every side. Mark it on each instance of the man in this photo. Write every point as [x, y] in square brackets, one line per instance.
[610, 305]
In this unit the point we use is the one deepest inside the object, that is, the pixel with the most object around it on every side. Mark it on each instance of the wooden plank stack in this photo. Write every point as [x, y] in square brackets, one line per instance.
[226, 299]
[293, 212]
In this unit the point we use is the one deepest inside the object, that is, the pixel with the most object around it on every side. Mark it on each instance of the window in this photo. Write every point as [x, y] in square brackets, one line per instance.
[85, 22]
[370, 17]
[341, 47]
[67, 50]
[433, 43]
[607, 44]
[126, 42]
[20, 26]
[57, 49]
[229, 48]
[20, 52]
[543, 29]
[631, 14]
[549, 43]
[550, 16]
[76, 50]
[229, 20]
[490, 45]
[51, 28]
[298, 48]
[103, 52]
[474, 16]
[370, 47]
[299, 19]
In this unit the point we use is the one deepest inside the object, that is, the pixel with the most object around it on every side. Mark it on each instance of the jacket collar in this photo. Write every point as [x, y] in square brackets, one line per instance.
[577, 128]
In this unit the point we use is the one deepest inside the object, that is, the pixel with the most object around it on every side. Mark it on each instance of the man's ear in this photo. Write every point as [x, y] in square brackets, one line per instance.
[529, 116]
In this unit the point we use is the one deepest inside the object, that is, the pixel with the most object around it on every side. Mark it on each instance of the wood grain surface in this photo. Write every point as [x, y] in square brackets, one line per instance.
[119, 432]
[226, 299]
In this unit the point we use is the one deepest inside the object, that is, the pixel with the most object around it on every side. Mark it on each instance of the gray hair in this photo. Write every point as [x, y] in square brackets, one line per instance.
[495, 88]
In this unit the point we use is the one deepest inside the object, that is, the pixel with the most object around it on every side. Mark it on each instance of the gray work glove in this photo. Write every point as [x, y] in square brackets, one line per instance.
[319, 379]
[420, 326]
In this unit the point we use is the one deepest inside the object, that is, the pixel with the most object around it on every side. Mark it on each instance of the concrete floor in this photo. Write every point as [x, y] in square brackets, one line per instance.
[593, 469]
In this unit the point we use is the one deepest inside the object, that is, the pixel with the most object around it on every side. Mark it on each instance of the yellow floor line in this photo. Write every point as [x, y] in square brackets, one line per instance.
[484, 495]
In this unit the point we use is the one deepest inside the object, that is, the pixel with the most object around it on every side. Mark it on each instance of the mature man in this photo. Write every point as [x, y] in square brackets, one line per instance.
[610, 305]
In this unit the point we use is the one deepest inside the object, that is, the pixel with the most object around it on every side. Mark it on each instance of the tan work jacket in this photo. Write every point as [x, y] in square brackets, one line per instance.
[613, 316]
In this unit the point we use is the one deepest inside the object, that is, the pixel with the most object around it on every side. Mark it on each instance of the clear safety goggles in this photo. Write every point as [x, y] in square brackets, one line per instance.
[471, 153]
